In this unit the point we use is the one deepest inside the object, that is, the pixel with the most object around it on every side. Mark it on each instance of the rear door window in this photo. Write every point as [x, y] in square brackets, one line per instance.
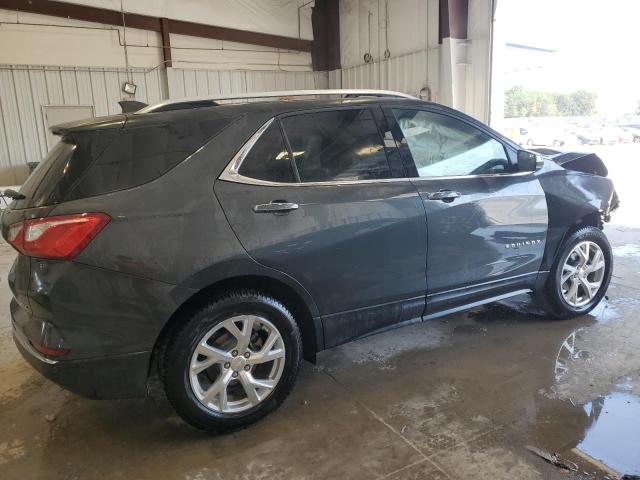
[337, 145]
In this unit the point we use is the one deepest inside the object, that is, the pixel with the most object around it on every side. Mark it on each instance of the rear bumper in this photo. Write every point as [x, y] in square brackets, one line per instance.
[104, 324]
[116, 376]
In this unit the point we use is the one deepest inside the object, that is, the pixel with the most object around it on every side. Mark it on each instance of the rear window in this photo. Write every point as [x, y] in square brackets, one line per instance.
[59, 171]
[93, 162]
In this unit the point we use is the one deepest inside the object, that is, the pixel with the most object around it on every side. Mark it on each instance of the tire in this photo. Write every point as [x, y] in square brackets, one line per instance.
[553, 297]
[227, 370]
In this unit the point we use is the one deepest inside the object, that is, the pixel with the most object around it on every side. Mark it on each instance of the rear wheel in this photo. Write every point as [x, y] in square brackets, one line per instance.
[580, 276]
[233, 362]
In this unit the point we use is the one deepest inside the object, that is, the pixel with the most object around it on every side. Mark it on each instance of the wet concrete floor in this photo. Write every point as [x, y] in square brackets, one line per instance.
[457, 397]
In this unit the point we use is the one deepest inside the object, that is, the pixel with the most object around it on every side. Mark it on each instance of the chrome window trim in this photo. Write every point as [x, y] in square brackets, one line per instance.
[481, 175]
[231, 171]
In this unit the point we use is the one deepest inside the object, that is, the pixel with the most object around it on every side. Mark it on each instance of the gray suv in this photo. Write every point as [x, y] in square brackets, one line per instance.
[218, 244]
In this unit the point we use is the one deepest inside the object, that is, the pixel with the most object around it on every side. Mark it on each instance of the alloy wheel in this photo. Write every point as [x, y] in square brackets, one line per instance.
[582, 273]
[237, 364]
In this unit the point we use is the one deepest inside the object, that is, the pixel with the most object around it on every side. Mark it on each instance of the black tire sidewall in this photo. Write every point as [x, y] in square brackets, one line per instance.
[178, 357]
[596, 236]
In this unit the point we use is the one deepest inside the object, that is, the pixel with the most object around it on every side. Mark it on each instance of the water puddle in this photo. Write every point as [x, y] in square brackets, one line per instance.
[612, 428]
[613, 436]
[628, 250]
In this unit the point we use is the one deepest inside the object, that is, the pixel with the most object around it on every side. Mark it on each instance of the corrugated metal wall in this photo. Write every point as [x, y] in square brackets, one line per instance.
[24, 89]
[190, 82]
[407, 73]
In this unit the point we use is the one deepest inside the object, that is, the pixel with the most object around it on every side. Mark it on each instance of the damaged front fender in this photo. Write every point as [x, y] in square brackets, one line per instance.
[577, 192]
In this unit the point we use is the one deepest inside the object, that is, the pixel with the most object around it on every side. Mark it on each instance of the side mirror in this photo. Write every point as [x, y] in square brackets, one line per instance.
[529, 161]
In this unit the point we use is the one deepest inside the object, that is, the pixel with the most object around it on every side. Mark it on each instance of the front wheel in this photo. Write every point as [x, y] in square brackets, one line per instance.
[233, 362]
[580, 275]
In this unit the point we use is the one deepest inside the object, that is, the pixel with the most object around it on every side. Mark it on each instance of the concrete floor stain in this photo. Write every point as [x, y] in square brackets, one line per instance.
[457, 397]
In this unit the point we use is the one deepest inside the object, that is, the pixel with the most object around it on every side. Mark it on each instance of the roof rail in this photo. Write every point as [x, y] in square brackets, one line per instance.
[195, 102]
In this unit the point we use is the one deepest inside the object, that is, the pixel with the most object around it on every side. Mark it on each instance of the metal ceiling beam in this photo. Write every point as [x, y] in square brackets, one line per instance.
[146, 22]
[166, 42]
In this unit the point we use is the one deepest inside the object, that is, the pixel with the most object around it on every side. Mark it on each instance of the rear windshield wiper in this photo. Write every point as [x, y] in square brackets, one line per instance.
[12, 194]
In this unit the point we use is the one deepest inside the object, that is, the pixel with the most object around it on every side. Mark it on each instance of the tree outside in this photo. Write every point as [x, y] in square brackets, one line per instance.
[520, 102]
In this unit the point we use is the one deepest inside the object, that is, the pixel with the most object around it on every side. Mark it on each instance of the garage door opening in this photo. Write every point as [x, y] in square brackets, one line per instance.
[566, 79]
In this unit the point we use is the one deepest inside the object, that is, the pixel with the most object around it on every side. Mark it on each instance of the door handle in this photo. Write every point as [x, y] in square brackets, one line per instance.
[444, 195]
[275, 207]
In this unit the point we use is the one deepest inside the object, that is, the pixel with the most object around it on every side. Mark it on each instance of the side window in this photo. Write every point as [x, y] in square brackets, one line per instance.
[444, 146]
[337, 145]
[268, 159]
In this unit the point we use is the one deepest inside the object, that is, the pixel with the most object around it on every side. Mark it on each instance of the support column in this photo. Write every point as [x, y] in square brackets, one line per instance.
[325, 20]
[453, 21]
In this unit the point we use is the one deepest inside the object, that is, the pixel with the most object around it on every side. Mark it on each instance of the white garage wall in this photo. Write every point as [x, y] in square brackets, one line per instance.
[407, 73]
[48, 60]
[25, 89]
[267, 16]
[457, 72]
[33, 39]
[373, 26]
[407, 30]
[191, 82]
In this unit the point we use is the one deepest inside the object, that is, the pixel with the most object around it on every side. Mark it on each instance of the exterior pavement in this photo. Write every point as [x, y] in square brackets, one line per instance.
[457, 397]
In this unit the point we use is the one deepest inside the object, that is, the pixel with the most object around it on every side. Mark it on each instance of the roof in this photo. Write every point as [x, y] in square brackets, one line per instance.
[261, 111]
[197, 102]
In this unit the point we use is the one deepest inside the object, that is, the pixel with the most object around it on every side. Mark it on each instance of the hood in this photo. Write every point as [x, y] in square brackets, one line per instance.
[577, 161]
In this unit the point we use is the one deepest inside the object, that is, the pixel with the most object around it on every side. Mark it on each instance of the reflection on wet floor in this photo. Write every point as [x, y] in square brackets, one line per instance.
[456, 397]
[612, 428]
[613, 436]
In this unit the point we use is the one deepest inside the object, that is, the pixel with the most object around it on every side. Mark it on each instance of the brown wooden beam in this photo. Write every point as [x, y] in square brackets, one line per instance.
[166, 41]
[146, 22]
[82, 12]
[181, 27]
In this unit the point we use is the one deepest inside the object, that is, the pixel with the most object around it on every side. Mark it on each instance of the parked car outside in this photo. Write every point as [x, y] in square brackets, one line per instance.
[586, 136]
[634, 132]
[543, 136]
[218, 245]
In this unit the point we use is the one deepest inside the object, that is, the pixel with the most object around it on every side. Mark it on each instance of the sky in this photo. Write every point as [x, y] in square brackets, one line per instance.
[596, 43]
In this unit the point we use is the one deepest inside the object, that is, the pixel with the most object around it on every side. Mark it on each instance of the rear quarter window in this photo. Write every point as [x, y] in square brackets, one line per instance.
[142, 154]
[269, 158]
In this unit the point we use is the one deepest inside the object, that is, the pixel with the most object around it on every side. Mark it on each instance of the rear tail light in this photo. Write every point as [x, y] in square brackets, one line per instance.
[50, 352]
[62, 237]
